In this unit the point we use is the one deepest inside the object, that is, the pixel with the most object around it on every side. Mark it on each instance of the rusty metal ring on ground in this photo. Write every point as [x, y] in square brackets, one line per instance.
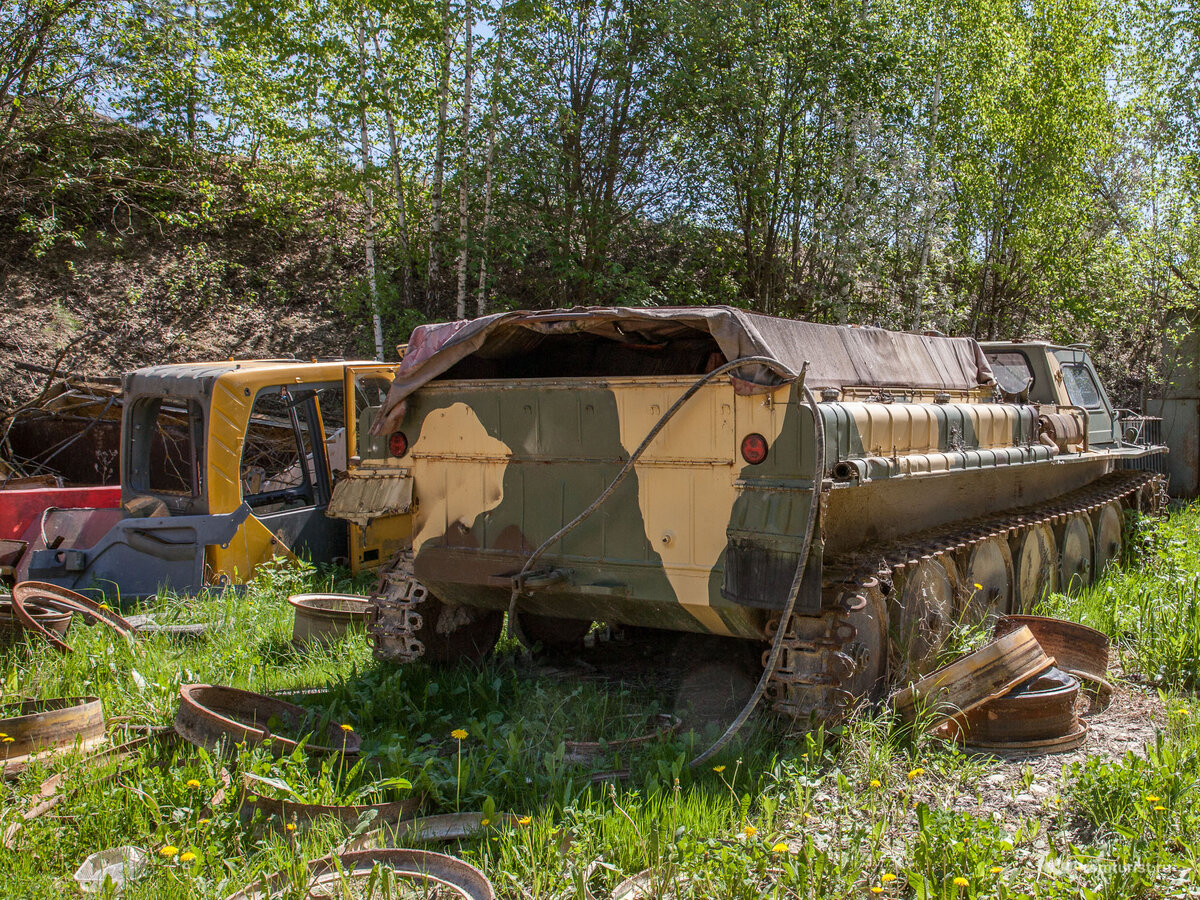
[586, 751]
[425, 865]
[972, 680]
[1076, 648]
[322, 618]
[11, 629]
[1040, 709]
[1070, 741]
[50, 726]
[55, 597]
[209, 714]
[349, 815]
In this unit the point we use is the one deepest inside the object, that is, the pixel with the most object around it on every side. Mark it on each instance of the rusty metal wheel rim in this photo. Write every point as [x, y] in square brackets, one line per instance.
[50, 726]
[426, 865]
[1076, 738]
[55, 597]
[206, 725]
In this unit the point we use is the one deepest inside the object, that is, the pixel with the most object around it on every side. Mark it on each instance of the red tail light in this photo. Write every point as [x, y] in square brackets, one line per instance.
[754, 448]
[398, 444]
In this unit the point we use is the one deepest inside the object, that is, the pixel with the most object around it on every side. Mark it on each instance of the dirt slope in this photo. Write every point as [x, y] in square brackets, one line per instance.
[117, 253]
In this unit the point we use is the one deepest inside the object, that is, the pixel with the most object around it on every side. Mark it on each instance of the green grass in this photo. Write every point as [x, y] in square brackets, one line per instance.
[783, 814]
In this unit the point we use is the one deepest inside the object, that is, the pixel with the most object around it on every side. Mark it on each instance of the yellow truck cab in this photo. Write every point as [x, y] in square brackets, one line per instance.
[224, 465]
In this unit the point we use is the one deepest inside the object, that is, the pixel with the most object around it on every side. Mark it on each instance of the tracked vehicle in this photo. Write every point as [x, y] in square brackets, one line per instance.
[841, 496]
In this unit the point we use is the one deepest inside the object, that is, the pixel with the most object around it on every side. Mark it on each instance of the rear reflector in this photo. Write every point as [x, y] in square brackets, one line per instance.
[398, 444]
[754, 448]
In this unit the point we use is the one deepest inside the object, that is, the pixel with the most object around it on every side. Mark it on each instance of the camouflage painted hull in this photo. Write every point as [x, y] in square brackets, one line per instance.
[937, 502]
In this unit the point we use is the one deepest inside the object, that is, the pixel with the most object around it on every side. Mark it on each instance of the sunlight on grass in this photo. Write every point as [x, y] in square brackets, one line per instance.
[861, 810]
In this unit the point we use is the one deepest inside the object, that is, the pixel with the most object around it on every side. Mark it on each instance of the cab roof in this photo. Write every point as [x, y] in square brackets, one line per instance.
[197, 379]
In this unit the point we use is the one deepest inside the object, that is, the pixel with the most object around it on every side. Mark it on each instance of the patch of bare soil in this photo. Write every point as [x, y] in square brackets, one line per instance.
[1020, 787]
[148, 269]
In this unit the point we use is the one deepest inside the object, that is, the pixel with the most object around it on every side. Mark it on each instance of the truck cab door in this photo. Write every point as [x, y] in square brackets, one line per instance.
[374, 494]
[286, 476]
[1083, 390]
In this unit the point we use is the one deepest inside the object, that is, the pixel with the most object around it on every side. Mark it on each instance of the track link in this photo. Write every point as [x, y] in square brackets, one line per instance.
[395, 615]
[831, 661]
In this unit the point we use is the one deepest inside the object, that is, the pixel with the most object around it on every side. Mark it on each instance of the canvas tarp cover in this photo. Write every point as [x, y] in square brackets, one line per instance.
[837, 355]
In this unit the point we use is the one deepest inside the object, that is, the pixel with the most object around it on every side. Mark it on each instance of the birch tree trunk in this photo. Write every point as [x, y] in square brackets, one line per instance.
[460, 306]
[493, 112]
[927, 232]
[439, 167]
[398, 182]
[369, 227]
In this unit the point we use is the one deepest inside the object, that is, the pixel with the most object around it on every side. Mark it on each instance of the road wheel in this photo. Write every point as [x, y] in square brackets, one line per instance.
[1075, 557]
[922, 615]
[456, 633]
[1035, 567]
[1108, 524]
[988, 580]
[869, 649]
[552, 632]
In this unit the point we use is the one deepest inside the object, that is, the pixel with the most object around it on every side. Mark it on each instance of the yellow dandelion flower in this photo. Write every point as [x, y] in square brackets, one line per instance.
[749, 831]
[978, 586]
[913, 774]
[168, 850]
[887, 876]
[203, 821]
[485, 821]
[1183, 711]
[290, 826]
[3, 735]
[524, 820]
[875, 782]
[876, 889]
[7, 740]
[187, 857]
[346, 728]
[781, 847]
[1152, 798]
[459, 734]
[105, 606]
[193, 783]
[718, 769]
[961, 882]
[1160, 809]
[995, 870]
[808, 817]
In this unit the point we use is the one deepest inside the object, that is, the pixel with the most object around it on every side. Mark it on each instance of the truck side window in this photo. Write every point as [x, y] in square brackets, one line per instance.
[370, 390]
[1081, 386]
[168, 447]
[277, 470]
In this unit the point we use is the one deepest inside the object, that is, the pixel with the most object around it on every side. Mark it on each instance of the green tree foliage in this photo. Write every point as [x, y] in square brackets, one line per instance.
[994, 167]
